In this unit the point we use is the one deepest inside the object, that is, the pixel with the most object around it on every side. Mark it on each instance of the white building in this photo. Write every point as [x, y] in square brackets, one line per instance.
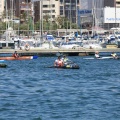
[111, 15]
[51, 7]
[1, 8]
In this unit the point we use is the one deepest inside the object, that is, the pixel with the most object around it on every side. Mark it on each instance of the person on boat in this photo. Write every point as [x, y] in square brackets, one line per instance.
[97, 54]
[15, 54]
[114, 55]
[64, 59]
[58, 62]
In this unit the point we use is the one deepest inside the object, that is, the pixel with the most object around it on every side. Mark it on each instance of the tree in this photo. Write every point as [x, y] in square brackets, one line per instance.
[74, 26]
[24, 17]
[54, 25]
[60, 21]
[37, 25]
[46, 17]
[2, 25]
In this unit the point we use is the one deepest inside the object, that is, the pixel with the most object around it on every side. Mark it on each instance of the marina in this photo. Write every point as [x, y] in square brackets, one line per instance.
[59, 60]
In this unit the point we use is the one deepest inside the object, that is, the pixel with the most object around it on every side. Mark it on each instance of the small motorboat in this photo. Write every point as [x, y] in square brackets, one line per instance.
[19, 58]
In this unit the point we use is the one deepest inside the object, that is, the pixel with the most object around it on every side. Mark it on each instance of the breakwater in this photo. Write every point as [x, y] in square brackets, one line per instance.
[70, 52]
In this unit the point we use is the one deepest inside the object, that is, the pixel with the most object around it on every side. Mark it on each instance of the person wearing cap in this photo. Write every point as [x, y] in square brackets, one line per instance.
[97, 54]
[15, 54]
[58, 62]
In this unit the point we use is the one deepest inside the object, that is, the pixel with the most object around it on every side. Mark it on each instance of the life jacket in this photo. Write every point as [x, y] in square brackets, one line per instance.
[13, 55]
[59, 63]
[65, 59]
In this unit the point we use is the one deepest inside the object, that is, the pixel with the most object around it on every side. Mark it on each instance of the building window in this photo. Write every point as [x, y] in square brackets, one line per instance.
[117, 2]
[53, 16]
[45, 6]
[53, 11]
[61, 12]
[46, 11]
[61, 7]
[61, 1]
[77, 1]
[68, 1]
[67, 7]
[53, 5]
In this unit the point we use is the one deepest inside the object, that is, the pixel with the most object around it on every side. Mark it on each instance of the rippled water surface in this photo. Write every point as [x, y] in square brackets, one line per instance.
[31, 91]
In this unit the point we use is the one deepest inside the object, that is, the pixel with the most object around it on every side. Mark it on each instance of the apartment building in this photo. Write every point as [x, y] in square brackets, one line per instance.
[69, 8]
[111, 4]
[2, 4]
[38, 9]
[12, 7]
[53, 8]
[19, 9]
[46, 8]
[25, 10]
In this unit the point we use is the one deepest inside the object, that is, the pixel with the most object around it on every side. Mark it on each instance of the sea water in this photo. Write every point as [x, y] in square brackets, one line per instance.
[31, 91]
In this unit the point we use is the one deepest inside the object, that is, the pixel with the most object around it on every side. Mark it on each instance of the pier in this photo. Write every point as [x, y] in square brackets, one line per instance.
[52, 52]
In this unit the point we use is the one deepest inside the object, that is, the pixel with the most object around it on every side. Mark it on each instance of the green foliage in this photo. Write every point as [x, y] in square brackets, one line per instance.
[66, 25]
[2, 26]
[57, 23]
[54, 26]
[31, 24]
[23, 26]
[24, 16]
[74, 26]
[46, 17]
[46, 25]
[37, 25]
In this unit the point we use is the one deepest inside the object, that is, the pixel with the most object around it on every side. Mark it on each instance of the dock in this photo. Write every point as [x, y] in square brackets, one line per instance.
[52, 52]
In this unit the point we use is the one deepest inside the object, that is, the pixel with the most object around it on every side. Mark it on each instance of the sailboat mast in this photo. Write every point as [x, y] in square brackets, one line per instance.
[41, 17]
[93, 13]
[6, 10]
[12, 13]
[33, 15]
[115, 19]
